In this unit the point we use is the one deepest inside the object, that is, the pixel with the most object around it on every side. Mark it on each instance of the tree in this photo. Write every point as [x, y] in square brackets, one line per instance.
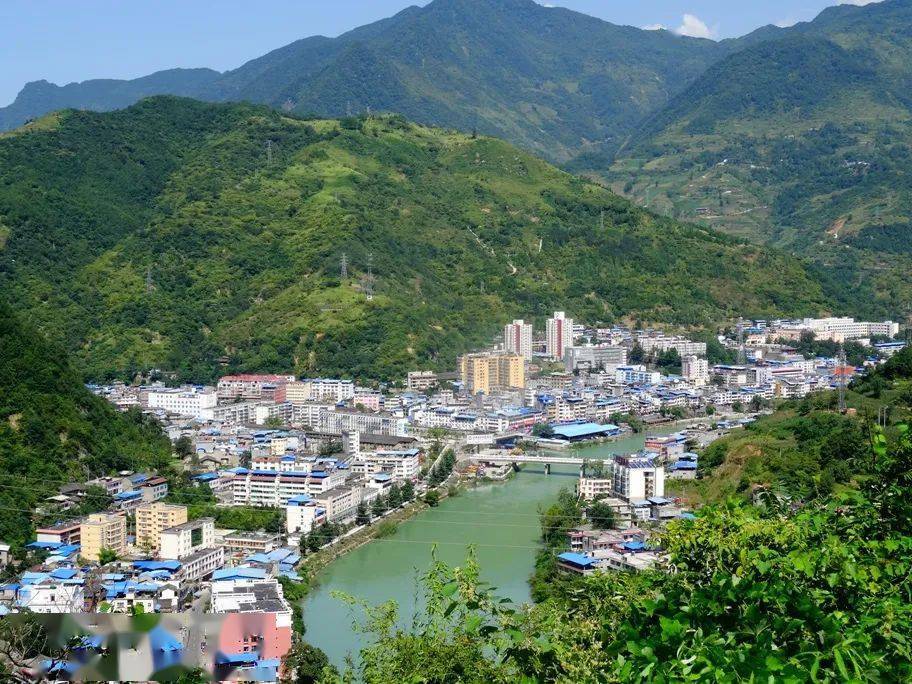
[601, 515]
[542, 430]
[274, 422]
[408, 491]
[106, 555]
[432, 498]
[331, 447]
[362, 517]
[636, 355]
[394, 497]
[308, 664]
[379, 507]
[183, 447]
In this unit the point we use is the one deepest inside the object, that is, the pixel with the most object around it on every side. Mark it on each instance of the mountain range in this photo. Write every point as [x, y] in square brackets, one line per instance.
[195, 238]
[548, 79]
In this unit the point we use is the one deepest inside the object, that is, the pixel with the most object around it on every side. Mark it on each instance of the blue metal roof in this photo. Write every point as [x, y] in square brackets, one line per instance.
[577, 559]
[238, 573]
[583, 429]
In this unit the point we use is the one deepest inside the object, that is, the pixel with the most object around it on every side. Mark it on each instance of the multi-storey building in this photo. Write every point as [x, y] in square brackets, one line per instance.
[518, 338]
[638, 477]
[186, 538]
[558, 335]
[421, 381]
[302, 514]
[185, 402]
[694, 369]
[202, 563]
[65, 532]
[251, 386]
[339, 420]
[849, 328]
[152, 519]
[317, 389]
[600, 357]
[592, 488]
[663, 343]
[402, 465]
[636, 375]
[266, 488]
[340, 502]
[103, 531]
[481, 373]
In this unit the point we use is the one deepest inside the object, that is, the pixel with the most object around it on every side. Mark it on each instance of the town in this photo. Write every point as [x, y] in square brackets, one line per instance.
[278, 467]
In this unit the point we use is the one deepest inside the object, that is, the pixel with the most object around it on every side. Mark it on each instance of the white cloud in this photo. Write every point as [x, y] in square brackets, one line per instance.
[860, 3]
[694, 27]
[655, 27]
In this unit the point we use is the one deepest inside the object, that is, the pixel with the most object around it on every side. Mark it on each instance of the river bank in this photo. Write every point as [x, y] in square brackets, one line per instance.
[501, 520]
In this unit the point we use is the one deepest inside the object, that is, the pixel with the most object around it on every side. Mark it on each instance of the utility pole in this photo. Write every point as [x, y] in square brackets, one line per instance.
[841, 378]
[742, 354]
[369, 279]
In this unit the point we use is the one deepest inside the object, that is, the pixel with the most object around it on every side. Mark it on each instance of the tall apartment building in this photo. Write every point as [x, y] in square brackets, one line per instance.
[153, 518]
[482, 372]
[638, 477]
[558, 335]
[103, 531]
[695, 369]
[518, 338]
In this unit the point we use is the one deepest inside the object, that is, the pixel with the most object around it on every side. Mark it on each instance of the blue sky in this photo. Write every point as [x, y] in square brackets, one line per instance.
[74, 40]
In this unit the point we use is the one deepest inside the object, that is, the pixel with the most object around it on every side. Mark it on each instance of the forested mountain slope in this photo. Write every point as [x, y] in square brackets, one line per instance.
[53, 430]
[175, 233]
[550, 80]
[804, 141]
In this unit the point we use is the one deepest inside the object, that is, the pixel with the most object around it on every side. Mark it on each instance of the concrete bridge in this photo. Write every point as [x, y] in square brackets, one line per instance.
[516, 459]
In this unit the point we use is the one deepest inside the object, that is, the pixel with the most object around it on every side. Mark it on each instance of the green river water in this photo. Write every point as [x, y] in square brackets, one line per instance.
[500, 520]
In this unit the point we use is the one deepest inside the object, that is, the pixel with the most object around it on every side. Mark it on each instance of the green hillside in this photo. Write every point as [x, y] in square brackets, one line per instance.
[53, 430]
[803, 141]
[552, 81]
[168, 235]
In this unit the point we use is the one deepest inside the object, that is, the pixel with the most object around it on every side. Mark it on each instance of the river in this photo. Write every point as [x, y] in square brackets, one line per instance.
[500, 520]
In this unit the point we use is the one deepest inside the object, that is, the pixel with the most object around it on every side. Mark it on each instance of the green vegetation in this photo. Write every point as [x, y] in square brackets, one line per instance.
[184, 245]
[803, 140]
[54, 431]
[818, 593]
[554, 82]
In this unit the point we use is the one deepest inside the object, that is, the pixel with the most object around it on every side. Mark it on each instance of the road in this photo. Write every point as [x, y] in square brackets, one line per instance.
[194, 635]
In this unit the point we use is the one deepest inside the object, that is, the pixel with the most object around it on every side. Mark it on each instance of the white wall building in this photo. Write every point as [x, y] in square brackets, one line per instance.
[638, 477]
[182, 540]
[184, 401]
[302, 514]
[402, 465]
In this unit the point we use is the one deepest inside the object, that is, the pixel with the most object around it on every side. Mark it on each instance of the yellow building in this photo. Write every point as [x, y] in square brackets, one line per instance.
[152, 518]
[483, 372]
[103, 531]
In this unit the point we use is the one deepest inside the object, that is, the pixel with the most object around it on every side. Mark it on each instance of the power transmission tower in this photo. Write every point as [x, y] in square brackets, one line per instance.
[742, 354]
[344, 261]
[149, 286]
[269, 152]
[602, 220]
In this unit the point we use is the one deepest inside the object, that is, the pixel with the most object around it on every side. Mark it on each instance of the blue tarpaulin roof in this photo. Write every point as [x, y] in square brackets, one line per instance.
[238, 573]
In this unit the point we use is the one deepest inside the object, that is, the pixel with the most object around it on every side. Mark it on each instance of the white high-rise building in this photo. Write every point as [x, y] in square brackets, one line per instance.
[518, 338]
[559, 335]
